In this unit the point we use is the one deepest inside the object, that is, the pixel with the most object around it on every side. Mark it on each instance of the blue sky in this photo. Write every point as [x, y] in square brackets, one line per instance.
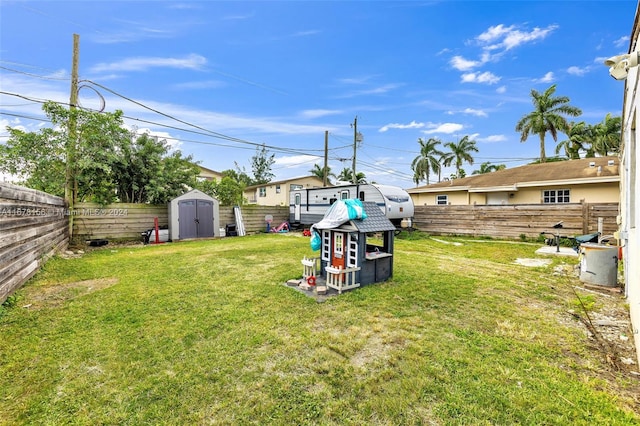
[282, 73]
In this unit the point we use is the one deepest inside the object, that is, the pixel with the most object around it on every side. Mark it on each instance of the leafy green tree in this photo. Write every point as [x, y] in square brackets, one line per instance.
[147, 172]
[607, 136]
[239, 175]
[261, 164]
[229, 192]
[346, 175]
[487, 167]
[320, 171]
[427, 161]
[461, 153]
[109, 163]
[445, 160]
[548, 116]
[580, 136]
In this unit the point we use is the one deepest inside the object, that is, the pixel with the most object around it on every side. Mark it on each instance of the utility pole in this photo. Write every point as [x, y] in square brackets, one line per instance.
[357, 137]
[71, 182]
[325, 170]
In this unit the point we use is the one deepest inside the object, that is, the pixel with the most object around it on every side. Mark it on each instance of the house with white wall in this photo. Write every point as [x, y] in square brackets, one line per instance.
[630, 182]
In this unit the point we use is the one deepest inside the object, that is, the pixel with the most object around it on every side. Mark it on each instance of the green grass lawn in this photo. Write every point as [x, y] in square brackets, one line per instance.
[205, 332]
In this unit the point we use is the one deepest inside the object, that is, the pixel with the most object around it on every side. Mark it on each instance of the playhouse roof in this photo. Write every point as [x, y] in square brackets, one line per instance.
[376, 221]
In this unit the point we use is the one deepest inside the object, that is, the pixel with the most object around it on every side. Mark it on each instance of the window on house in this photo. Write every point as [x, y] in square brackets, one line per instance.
[442, 199]
[263, 191]
[555, 196]
[295, 186]
[277, 189]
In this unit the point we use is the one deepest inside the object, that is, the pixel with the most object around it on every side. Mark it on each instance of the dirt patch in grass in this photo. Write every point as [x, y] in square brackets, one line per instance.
[56, 295]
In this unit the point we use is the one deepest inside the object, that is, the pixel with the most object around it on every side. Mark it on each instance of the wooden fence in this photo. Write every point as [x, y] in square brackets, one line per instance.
[128, 221]
[512, 221]
[33, 226]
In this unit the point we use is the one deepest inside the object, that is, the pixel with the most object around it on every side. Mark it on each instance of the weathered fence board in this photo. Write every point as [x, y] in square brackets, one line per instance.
[33, 226]
[128, 221]
[512, 221]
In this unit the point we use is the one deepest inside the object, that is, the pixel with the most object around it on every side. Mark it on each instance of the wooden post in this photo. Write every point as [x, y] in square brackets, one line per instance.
[71, 183]
[585, 217]
[326, 154]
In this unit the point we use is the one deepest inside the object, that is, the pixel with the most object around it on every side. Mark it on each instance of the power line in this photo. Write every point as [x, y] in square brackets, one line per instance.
[36, 75]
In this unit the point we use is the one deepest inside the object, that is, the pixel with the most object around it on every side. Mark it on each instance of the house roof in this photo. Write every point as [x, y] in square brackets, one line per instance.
[204, 169]
[586, 170]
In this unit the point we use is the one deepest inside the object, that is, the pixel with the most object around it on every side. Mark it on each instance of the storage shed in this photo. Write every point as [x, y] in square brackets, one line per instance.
[348, 259]
[194, 215]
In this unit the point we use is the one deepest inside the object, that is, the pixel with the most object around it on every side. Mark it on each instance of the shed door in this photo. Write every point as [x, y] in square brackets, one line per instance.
[204, 218]
[187, 219]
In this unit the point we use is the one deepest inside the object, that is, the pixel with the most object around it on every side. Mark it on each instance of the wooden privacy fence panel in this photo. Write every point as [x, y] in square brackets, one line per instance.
[127, 221]
[33, 227]
[254, 215]
[511, 221]
[120, 221]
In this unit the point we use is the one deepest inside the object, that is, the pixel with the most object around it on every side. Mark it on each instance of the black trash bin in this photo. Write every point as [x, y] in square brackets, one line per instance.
[230, 230]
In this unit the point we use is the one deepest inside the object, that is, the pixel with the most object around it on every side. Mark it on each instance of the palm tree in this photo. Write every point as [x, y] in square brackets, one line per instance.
[461, 152]
[445, 160]
[428, 161]
[580, 136]
[607, 135]
[319, 172]
[487, 167]
[547, 116]
[346, 175]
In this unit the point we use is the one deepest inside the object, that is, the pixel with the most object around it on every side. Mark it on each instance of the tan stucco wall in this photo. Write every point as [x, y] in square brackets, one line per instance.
[590, 193]
[273, 198]
[210, 175]
[454, 198]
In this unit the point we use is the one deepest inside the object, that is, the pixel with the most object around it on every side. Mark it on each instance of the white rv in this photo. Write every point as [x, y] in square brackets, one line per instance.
[308, 206]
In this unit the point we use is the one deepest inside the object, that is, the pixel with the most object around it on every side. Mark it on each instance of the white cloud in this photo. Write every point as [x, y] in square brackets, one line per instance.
[492, 139]
[469, 111]
[476, 112]
[462, 64]
[317, 113]
[485, 77]
[622, 41]
[447, 128]
[196, 85]
[547, 78]
[516, 38]
[296, 161]
[305, 33]
[412, 125]
[495, 41]
[192, 61]
[501, 89]
[577, 70]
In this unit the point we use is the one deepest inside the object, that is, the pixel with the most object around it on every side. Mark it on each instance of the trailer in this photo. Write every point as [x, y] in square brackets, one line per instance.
[308, 206]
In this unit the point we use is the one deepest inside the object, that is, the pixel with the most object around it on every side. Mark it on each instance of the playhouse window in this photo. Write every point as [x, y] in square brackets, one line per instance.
[326, 245]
